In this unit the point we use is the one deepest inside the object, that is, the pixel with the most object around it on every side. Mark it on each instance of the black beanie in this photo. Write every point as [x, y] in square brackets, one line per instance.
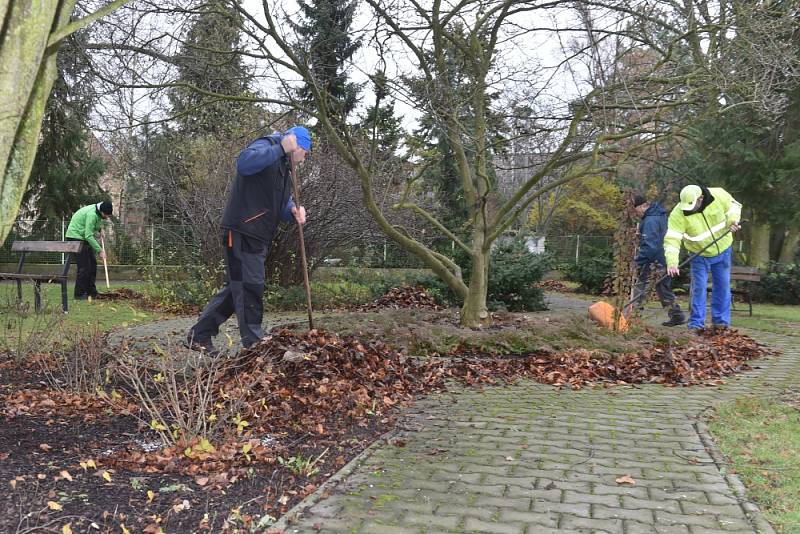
[638, 200]
[105, 207]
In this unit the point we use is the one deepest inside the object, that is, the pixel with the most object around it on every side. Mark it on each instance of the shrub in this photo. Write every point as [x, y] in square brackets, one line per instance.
[192, 288]
[779, 285]
[513, 272]
[591, 271]
[324, 295]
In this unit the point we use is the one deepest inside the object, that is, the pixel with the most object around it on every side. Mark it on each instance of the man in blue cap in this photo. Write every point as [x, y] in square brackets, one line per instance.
[260, 197]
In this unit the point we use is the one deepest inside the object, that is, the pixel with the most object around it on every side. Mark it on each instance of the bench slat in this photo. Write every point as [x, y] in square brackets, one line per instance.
[746, 277]
[47, 246]
[56, 278]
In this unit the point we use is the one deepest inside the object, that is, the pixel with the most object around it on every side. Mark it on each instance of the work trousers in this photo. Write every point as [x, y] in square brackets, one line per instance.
[86, 276]
[720, 268]
[242, 294]
[663, 289]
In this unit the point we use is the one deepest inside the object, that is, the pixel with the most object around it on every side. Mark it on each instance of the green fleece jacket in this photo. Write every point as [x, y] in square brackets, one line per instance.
[85, 223]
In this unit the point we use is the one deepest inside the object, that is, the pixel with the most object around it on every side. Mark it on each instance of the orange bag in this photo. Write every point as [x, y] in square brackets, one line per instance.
[603, 314]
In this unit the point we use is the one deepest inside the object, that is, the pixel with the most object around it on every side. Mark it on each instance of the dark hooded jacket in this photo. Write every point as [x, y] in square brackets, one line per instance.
[651, 235]
[261, 192]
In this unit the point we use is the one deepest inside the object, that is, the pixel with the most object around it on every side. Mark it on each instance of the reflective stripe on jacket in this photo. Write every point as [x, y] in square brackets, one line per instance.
[699, 229]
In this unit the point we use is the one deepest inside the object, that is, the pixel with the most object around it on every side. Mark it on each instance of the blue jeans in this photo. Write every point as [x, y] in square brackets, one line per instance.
[720, 267]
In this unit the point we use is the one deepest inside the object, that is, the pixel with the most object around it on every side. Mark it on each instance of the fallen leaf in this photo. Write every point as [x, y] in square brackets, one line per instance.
[45, 447]
[53, 505]
[106, 476]
[65, 474]
[150, 495]
[626, 479]
[66, 529]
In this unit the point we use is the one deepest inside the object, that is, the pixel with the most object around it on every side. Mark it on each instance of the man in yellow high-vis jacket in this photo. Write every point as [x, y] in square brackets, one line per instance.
[703, 215]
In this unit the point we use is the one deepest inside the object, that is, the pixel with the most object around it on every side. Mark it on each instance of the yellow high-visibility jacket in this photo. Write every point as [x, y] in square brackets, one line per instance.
[699, 229]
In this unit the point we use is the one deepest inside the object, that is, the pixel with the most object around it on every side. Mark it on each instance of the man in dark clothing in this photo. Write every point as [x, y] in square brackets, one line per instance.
[651, 258]
[83, 226]
[260, 197]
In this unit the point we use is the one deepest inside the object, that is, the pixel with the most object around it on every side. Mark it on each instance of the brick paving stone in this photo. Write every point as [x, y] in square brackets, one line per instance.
[576, 509]
[594, 525]
[632, 503]
[632, 527]
[377, 528]
[547, 519]
[642, 515]
[487, 527]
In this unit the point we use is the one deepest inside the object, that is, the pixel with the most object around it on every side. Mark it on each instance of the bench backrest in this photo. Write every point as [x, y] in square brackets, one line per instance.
[745, 274]
[47, 246]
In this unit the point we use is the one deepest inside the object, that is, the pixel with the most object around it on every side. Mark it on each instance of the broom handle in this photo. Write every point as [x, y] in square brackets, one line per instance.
[296, 195]
[682, 264]
[105, 261]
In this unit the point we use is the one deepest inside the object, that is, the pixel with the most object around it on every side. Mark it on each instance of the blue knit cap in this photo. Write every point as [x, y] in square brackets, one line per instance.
[302, 135]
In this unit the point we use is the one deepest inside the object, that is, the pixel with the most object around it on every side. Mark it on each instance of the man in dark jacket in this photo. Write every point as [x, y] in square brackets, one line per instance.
[651, 258]
[260, 197]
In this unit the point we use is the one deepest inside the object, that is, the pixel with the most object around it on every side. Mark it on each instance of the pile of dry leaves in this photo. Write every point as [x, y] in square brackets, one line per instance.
[704, 360]
[553, 285]
[404, 297]
[122, 293]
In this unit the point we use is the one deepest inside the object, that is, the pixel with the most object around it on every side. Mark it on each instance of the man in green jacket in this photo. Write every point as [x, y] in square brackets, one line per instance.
[83, 226]
[703, 215]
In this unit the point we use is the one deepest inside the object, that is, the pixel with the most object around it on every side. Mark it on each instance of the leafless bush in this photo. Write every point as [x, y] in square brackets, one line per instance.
[79, 363]
[180, 400]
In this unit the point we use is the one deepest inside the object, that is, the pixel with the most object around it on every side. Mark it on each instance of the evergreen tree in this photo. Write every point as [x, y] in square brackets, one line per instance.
[65, 173]
[208, 61]
[326, 45]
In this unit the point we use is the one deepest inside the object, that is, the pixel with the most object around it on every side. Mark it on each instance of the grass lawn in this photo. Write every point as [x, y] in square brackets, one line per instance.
[21, 323]
[761, 438]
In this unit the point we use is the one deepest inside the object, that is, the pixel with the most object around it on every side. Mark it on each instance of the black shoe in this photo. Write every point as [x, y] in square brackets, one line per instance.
[676, 320]
[719, 328]
[697, 331]
[201, 345]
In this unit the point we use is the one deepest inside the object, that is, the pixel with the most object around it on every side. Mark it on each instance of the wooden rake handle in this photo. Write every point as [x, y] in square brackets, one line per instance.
[296, 194]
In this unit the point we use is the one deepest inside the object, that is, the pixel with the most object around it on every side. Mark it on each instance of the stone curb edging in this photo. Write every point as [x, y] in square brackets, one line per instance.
[751, 511]
[286, 520]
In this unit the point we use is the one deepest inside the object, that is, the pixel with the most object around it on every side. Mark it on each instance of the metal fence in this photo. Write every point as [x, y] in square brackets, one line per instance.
[129, 244]
[160, 244]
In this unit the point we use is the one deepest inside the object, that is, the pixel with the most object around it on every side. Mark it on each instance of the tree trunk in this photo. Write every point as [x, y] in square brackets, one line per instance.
[31, 31]
[474, 313]
[791, 242]
[759, 244]
[29, 69]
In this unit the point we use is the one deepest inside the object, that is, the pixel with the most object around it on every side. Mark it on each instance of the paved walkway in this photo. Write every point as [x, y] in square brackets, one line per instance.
[528, 459]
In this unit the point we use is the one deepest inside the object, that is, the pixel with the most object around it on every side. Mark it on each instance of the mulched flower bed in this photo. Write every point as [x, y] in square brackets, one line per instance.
[312, 401]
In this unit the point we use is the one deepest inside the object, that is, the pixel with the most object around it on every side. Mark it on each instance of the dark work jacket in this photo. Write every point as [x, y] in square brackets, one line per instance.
[261, 193]
[652, 230]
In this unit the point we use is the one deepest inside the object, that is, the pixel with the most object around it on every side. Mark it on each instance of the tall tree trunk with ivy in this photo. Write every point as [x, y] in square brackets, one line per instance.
[29, 40]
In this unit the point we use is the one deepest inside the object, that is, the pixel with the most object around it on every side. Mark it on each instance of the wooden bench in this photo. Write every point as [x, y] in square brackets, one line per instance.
[65, 247]
[740, 273]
